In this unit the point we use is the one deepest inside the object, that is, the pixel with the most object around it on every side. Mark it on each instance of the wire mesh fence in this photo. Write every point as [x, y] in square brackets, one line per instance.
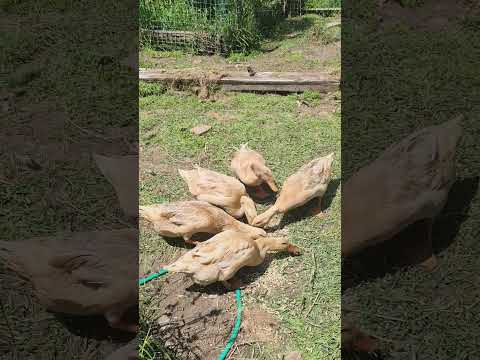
[211, 26]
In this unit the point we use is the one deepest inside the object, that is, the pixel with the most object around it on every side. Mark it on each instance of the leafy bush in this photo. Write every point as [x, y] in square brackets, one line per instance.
[316, 4]
[225, 25]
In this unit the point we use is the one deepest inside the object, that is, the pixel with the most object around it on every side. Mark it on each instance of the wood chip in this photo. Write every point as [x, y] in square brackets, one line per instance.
[201, 129]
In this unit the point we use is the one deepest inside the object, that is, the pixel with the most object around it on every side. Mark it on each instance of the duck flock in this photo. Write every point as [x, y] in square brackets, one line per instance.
[221, 202]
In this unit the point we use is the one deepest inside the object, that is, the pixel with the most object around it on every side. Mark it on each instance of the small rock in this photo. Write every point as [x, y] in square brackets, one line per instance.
[201, 129]
[294, 355]
[164, 319]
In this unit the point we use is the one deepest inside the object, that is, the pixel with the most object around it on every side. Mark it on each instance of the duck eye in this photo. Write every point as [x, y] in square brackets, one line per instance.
[91, 284]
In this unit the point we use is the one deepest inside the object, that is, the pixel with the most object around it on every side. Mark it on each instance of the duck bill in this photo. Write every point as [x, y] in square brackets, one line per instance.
[271, 184]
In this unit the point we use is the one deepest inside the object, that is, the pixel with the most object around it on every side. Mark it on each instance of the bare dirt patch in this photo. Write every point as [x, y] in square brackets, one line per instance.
[325, 107]
[325, 53]
[155, 161]
[221, 117]
[196, 322]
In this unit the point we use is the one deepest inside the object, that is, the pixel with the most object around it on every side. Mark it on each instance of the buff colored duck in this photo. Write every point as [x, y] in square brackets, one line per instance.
[219, 258]
[85, 273]
[186, 218]
[408, 183]
[309, 182]
[251, 169]
[220, 190]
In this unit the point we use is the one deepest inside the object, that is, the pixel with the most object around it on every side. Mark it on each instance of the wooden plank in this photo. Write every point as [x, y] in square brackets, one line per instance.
[270, 78]
[324, 88]
[177, 35]
[322, 10]
[240, 81]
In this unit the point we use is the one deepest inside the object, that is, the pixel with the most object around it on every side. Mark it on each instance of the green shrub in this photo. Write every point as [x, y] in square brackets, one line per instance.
[316, 4]
[221, 25]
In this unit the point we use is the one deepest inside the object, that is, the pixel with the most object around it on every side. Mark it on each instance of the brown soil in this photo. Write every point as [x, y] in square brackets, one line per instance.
[196, 322]
[325, 107]
[155, 161]
[222, 117]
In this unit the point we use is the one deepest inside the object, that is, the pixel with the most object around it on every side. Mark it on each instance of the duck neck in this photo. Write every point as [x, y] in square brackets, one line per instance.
[271, 244]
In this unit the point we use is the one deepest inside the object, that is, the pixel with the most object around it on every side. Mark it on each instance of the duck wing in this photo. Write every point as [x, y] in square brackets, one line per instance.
[222, 250]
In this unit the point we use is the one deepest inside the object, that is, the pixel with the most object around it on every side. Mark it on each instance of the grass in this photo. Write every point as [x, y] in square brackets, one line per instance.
[272, 125]
[418, 78]
[302, 43]
[54, 61]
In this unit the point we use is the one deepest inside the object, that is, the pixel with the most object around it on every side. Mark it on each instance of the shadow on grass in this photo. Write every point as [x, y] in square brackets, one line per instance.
[388, 257]
[287, 28]
[353, 355]
[97, 327]
[180, 243]
[267, 200]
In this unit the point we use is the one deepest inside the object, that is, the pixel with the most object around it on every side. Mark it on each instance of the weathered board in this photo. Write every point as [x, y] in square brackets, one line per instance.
[324, 9]
[242, 81]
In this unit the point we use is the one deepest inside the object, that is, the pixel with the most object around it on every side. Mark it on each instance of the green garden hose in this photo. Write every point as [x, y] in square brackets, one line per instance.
[236, 328]
[148, 278]
[238, 320]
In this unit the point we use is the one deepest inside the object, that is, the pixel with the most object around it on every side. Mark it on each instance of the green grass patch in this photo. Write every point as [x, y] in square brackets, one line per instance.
[271, 125]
